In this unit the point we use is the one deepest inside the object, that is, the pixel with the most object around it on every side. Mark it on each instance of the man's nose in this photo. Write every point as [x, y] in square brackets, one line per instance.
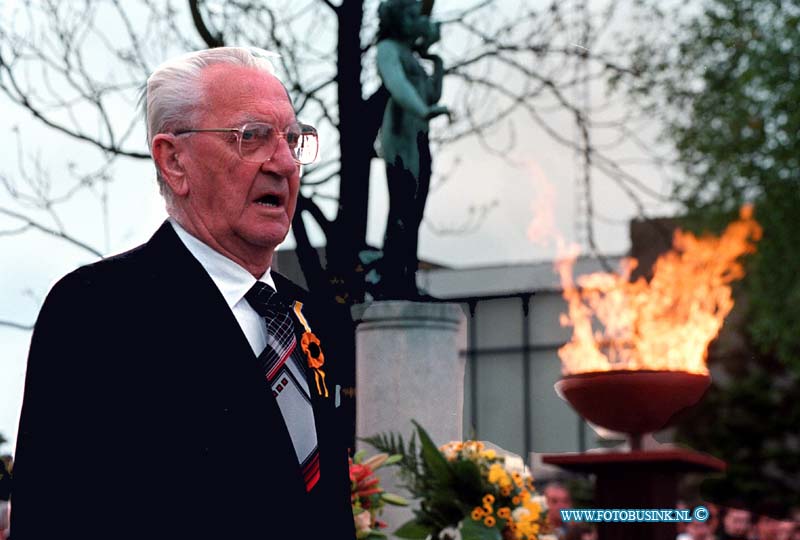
[282, 161]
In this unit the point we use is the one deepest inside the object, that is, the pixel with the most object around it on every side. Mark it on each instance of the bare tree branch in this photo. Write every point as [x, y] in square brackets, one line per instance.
[197, 18]
[52, 232]
[476, 216]
[331, 5]
[19, 97]
[307, 204]
[323, 180]
[14, 232]
[506, 64]
[16, 325]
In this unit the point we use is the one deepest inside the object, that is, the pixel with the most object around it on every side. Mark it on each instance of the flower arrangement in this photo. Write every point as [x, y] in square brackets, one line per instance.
[366, 495]
[466, 491]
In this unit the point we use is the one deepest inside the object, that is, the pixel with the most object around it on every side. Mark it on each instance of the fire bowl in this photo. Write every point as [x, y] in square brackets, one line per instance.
[632, 402]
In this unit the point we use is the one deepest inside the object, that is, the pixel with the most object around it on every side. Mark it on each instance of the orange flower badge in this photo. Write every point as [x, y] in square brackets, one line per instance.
[311, 346]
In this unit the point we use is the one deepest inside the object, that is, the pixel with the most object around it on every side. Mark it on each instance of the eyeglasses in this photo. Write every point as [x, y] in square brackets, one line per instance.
[258, 141]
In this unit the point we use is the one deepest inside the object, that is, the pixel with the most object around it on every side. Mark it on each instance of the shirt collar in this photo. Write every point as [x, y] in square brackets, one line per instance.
[232, 280]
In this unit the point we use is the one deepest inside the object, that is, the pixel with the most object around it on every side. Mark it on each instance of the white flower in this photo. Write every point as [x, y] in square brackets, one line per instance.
[541, 501]
[363, 521]
[450, 533]
[548, 537]
[520, 513]
[514, 463]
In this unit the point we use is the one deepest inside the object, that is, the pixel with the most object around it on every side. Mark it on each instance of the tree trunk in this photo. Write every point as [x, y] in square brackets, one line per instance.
[349, 233]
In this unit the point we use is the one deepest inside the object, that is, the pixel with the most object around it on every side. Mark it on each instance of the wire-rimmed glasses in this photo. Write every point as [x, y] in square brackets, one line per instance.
[257, 141]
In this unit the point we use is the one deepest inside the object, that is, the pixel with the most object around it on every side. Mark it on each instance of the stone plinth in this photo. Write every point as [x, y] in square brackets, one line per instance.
[408, 366]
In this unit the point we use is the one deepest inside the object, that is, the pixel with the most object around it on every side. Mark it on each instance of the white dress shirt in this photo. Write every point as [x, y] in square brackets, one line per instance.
[293, 398]
[233, 282]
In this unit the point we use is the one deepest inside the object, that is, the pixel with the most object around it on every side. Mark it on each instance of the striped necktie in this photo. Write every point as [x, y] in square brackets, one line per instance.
[285, 371]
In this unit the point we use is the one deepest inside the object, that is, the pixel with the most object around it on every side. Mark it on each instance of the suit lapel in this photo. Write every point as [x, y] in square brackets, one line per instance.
[218, 350]
[199, 302]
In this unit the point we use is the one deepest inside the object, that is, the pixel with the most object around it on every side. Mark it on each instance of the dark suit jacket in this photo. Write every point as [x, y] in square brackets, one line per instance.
[146, 413]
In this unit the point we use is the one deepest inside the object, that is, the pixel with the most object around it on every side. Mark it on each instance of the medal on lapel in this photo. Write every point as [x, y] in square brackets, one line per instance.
[310, 345]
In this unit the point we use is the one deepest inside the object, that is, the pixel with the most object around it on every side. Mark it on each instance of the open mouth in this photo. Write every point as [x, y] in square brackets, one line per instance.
[273, 201]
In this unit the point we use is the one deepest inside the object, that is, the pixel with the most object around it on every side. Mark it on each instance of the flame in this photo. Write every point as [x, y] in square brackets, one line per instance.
[665, 324]
[542, 229]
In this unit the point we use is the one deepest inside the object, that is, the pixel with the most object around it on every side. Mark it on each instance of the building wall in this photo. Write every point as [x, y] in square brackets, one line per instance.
[501, 396]
[511, 358]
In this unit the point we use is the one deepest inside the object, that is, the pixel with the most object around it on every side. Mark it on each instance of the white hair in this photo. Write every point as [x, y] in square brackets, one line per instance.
[174, 90]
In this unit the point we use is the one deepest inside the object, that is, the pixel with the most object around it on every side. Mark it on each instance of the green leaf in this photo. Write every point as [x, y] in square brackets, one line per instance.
[434, 460]
[412, 529]
[410, 465]
[359, 456]
[467, 480]
[396, 500]
[396, 458]
[476, 530]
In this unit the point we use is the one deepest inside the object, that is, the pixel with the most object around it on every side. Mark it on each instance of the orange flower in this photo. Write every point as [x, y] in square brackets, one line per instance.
[504, 512]
[517, 479]
[529, 484]
[477, 513]
[311, 346]
[505, 491]
[488, 499]
[489, 521]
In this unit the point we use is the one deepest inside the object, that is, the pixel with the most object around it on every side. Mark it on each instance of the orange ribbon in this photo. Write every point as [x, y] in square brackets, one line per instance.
[312, 347]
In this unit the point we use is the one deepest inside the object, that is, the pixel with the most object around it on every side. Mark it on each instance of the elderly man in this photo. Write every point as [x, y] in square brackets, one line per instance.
[171, 392]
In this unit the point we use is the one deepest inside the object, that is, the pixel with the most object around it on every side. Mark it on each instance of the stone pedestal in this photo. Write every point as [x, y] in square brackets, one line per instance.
[408, 366]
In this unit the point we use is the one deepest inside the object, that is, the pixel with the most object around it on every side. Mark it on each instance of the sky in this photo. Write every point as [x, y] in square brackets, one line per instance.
[30, 263]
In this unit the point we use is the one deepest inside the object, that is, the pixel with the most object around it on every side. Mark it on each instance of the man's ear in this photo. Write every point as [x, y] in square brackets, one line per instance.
[167, 157]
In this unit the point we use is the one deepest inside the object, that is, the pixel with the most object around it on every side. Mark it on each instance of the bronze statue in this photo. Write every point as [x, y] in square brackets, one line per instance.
[405, 34]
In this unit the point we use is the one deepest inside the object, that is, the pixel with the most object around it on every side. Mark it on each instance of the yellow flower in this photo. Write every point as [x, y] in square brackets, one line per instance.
[489, 454]
[534, 509]
[495, 473]
[488, 499]
[489, 521]
[498, 475]
[525, 531]
[477, 513]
